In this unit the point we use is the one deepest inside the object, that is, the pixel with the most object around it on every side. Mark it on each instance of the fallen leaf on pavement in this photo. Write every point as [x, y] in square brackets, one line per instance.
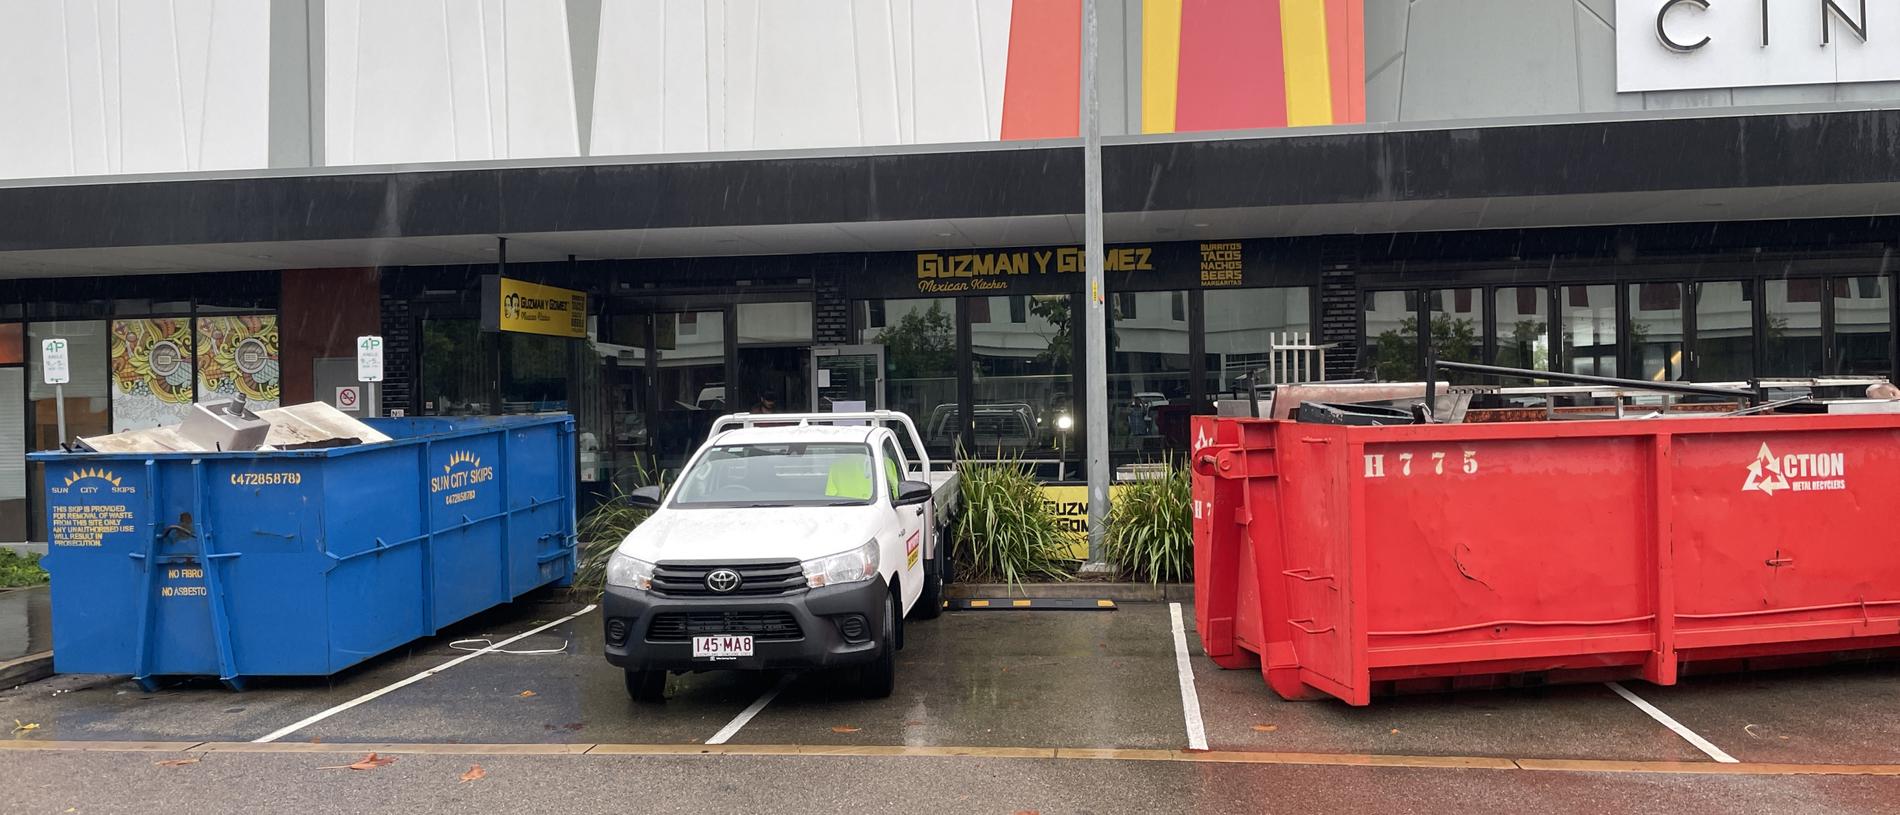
[1269, 728]
[845, 728]
[475, 773]
[368, 762]
[176, 762]
[526, 693]
[22, 727]
[573, 727]
[1395, 731]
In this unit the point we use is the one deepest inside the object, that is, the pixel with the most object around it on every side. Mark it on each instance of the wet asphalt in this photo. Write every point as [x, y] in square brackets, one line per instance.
[1003, 679]
[529, 785]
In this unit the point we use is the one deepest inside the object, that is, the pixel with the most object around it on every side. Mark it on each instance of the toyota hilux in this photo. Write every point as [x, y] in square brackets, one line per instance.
[788, 542]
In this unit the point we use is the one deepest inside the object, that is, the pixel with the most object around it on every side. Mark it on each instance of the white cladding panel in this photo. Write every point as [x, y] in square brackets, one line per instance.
[133, 86]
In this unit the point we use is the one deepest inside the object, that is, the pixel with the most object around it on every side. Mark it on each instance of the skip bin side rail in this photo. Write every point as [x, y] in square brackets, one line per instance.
[1753, 396]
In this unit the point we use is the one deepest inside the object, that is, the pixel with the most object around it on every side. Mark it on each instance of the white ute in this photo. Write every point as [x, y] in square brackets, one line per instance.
[789, 541]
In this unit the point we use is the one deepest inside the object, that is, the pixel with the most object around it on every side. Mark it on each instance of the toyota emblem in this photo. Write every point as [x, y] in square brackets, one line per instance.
[722, 580]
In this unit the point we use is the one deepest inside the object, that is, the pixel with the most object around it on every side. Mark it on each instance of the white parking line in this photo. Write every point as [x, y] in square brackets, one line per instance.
[1670, 722]
[1190, 699]
[278, 734]
[732, 727]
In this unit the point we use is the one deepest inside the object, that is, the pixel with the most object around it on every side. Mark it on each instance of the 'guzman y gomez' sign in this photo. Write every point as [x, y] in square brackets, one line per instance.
[1664, 45]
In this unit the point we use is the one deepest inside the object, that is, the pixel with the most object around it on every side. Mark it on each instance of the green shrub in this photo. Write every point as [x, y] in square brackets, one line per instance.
[1007, 534]
[1150, 532]
[605, 526]
[18, 570]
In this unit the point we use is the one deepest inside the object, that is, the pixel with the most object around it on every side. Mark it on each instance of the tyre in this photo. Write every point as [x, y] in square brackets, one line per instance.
[877, 678]
[946, 560]
[930, 603]
[646, 686]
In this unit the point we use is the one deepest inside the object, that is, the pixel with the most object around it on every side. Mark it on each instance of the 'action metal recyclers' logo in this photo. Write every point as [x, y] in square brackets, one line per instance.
[1796, 472]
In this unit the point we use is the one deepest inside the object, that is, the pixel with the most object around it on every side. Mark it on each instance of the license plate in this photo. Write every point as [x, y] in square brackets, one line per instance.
[723, 647]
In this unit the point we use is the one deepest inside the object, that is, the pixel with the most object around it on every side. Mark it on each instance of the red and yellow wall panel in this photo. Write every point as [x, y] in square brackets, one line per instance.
[1235, 64]
[1205, 65]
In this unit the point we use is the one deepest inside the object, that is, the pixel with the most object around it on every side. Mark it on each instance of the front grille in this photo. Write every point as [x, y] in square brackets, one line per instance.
[755, 579]
[1000, 426]
[680, 626]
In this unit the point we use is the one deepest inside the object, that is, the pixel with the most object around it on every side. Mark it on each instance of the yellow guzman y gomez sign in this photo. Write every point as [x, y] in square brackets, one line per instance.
[531, 308]
[949, 273]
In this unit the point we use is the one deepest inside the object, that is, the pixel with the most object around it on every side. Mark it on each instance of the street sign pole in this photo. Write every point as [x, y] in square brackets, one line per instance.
[1095, 306]
[56, 369]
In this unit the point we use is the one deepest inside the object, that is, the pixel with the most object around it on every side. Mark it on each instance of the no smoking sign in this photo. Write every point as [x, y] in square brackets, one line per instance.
[349, 398]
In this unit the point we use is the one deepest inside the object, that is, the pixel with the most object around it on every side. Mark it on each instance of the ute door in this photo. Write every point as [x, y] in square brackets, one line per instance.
[913, 522]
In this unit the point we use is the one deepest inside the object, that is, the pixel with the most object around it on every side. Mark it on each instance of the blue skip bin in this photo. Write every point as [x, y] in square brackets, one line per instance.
[301, 563]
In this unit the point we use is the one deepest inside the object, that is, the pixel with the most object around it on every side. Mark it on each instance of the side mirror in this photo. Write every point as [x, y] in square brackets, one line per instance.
[912, 492]
[645, 498]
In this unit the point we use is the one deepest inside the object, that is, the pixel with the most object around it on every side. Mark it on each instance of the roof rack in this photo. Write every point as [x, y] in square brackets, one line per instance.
[885, 418]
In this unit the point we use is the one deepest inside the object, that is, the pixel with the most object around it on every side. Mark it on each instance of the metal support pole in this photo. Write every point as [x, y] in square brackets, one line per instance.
[59, 400]
[1094, 298]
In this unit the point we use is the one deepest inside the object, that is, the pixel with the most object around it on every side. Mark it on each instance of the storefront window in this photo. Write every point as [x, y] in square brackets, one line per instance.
[534, 373]
[774, 357]
[1241, 327]
[1724, 332]
[1523, 327]
[238, 359]
[1391, 336]
[613, 441]
[691, 347]
[13, 495]
[1862, 326]
[1148, 376]
[88, 395]
[152, 372]
[1458, 328]
[920, 352]
[1655, 330]
[1022, 379]
[1588, 327]
[1792, 337]
[457, 368]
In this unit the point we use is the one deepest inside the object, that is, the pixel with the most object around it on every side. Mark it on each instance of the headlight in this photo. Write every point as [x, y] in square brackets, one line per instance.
[855, 566]
[629, 573]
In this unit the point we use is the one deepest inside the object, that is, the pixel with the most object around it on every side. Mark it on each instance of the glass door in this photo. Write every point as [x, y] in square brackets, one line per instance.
[689, 382]
[847, 378]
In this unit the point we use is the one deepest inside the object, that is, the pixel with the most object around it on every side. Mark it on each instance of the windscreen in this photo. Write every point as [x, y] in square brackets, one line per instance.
[774, 475]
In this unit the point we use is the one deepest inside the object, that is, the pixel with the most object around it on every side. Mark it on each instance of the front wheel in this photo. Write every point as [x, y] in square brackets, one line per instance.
[646, 686]
[879, 677]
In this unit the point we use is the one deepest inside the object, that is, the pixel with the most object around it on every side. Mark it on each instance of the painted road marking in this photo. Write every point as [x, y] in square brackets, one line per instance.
[1190, 699]
[1032, 604]
[1670, 722]
[1597, 766]
[372, 695]
[732, 727]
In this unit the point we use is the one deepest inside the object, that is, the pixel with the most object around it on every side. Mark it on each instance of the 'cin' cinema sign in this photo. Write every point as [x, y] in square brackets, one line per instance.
[1666, 45]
